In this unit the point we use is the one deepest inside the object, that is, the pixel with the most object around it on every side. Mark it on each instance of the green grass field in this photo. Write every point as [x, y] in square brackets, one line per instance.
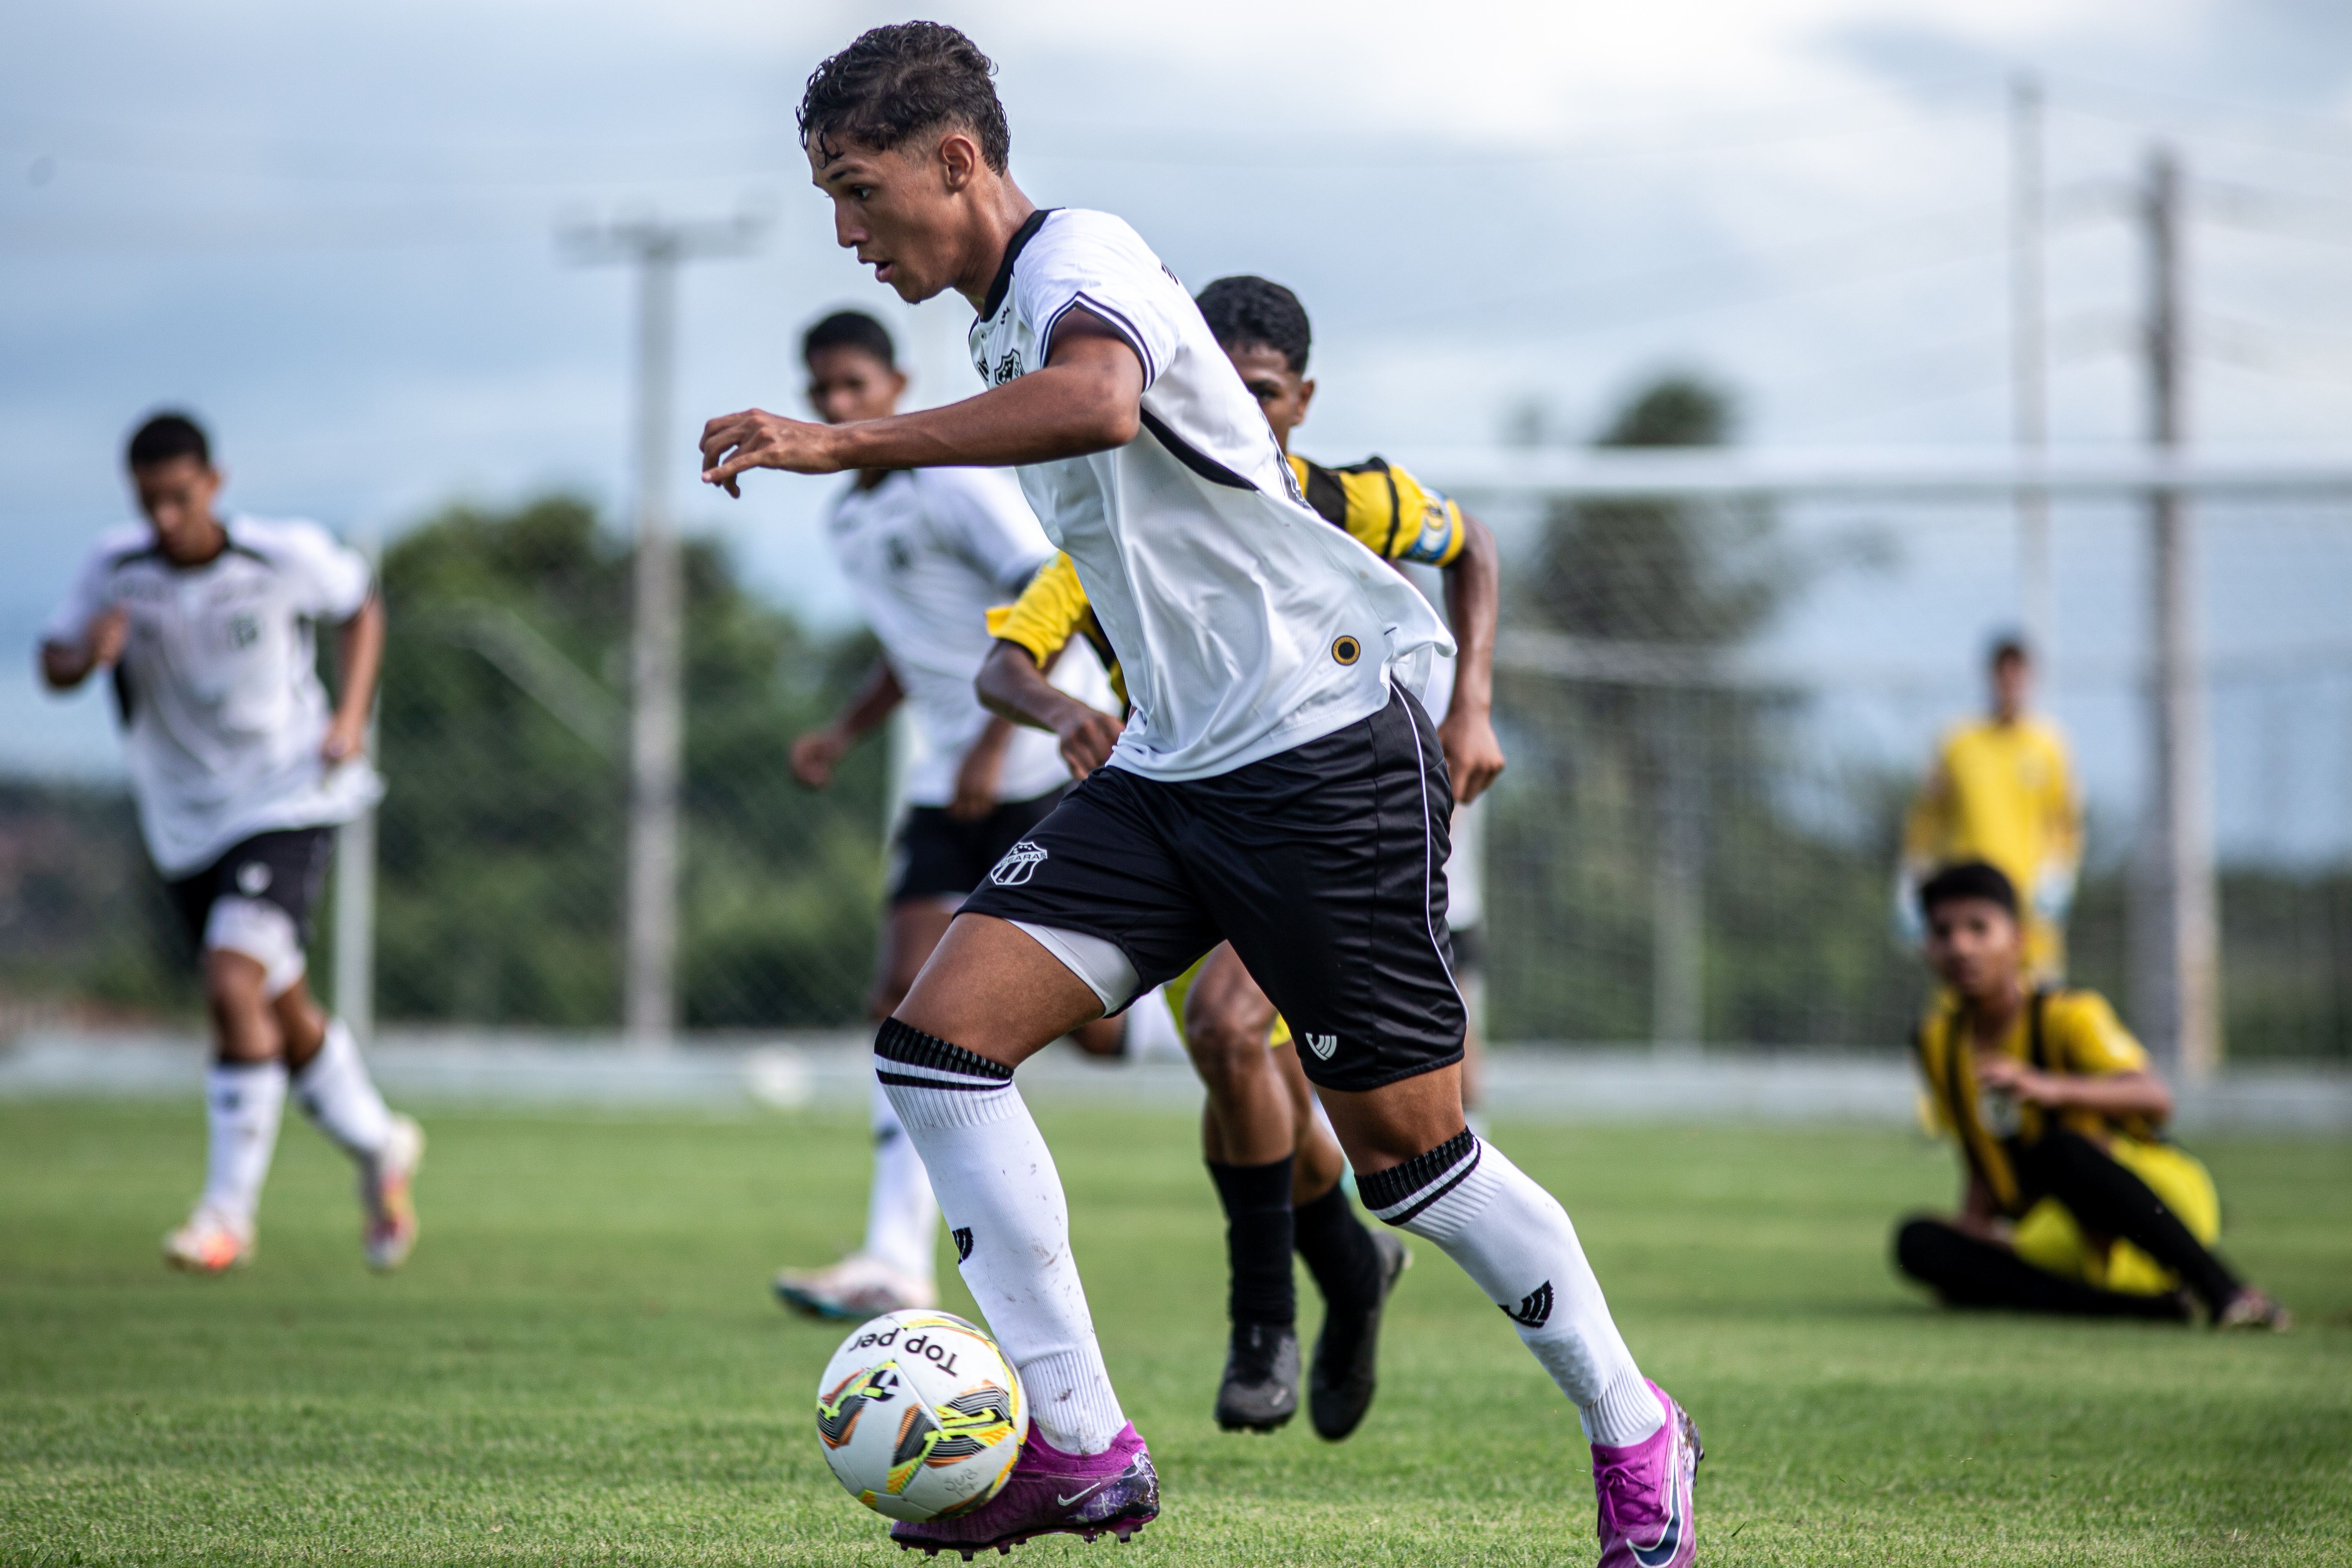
[582, 1365]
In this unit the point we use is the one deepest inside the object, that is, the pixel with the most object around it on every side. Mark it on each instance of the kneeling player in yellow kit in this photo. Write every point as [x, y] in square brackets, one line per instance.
[2074, 1201]
[1276, 1168]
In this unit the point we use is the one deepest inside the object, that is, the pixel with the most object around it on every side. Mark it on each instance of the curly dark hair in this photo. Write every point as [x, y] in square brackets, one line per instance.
[897, 82]
[1969, 879]
[1246, 309]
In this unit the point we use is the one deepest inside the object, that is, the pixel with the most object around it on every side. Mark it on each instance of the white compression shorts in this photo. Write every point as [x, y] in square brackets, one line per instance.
[262, 932]
[1099, 963]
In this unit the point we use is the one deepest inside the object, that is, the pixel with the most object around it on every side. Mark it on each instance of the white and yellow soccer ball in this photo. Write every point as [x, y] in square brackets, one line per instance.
[921, 1415]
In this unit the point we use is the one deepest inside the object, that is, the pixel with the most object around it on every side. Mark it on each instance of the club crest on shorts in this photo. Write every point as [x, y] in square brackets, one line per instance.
[1020, 864]
[1322, 1046]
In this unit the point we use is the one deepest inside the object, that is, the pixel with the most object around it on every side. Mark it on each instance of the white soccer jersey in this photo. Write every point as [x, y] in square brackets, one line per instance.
[1246, 624]
[928, 552]
[218, 687]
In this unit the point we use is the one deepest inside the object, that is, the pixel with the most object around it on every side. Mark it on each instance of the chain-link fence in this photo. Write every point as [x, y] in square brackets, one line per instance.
[1716, 713]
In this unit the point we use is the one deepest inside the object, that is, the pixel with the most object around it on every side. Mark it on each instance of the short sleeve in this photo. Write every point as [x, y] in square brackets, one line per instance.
[1048, 615]
[329, 581]
[986, 523]
[88, 597]
[1094, 261]
[2089, 1039]
[1429, 525]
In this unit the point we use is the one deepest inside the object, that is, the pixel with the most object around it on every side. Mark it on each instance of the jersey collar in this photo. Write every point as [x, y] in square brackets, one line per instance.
[1003, 282]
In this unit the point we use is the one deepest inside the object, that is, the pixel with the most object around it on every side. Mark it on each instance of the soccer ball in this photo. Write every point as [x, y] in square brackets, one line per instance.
[921, 1415]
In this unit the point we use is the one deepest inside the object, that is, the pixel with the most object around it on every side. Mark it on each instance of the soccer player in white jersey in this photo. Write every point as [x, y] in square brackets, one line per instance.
[926, 552]
[1278, 786]
[241, 770]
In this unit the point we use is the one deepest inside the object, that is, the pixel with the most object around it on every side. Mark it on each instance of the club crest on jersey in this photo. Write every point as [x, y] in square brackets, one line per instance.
[244, 629]
[1323, 1046]
[1020, 864]
[1008, 367]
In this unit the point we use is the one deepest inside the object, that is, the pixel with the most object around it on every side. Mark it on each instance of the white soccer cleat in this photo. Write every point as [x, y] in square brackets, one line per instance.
[858, 1287]
[210, 1243]
[390, 1207]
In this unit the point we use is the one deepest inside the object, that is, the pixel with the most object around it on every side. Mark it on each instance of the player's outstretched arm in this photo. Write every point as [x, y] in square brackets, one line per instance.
[1087, 397]
[65, 665]
[1011, 684]
[1474, 598]
[359, 659]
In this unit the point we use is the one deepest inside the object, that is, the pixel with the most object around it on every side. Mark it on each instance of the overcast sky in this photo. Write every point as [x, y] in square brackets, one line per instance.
[330, 230]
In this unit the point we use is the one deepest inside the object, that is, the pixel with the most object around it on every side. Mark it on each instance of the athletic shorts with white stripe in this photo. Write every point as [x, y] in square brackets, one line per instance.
[1324, 866]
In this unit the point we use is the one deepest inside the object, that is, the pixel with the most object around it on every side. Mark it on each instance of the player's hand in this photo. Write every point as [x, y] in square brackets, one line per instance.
[1473, 757]
[733, 443]
[1087, 736]
[2014, 1078]
[107, 635]
[975, 783]
[814, 754]
[345, 739]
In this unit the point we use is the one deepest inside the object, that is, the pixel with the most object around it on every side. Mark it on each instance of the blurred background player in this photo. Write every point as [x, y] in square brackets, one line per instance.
[2002, 791]
[1276, 1170]
[2074, 1202]
[927, 551]
[241, 771]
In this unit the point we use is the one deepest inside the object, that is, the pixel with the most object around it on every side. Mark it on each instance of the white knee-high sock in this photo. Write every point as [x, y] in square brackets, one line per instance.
[336, 1093]
[243, 1101]
[1516, 1241]
[901, 1215]
[1003, 1201]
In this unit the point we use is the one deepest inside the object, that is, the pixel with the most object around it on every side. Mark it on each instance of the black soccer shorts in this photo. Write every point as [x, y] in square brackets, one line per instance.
[1324, 866]
[937, 857]
[285, 867]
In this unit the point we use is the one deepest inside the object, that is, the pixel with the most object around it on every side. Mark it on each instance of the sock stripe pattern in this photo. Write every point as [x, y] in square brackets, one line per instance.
[1515, 1240]
[918, 1060]
[1401, 1192]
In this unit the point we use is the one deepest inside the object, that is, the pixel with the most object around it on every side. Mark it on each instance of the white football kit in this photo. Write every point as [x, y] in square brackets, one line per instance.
[1246, 624]
[218, 687]
[928, 553]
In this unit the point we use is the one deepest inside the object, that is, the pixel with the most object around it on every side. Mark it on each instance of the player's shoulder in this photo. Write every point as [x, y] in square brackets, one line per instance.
[2078, 1007]
[1077, 245]
[1336, 490]
[279, 537]
[122, 545]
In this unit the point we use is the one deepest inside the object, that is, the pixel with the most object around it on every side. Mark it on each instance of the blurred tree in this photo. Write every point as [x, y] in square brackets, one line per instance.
[502, 736]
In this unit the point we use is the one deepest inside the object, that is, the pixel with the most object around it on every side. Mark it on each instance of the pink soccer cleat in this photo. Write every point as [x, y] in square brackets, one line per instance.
[1115, 1492]
[1646, 1493]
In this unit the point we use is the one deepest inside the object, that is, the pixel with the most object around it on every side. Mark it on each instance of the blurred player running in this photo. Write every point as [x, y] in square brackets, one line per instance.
[241, 771]
[1276, 1170]
[926, 552]
[1278, 786]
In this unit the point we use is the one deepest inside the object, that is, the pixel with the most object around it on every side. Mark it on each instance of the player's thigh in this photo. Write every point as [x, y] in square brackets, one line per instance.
[910, 932]
[992, 989]
[1324, 868]
[1100, 876]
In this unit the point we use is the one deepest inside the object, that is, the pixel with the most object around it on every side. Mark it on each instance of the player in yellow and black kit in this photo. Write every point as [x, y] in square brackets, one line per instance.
[1276, 1168]
[2074, 1201]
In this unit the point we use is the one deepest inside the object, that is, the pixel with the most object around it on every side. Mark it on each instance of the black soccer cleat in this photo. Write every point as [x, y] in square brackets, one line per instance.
[1346, 1353]
[1260, 1390]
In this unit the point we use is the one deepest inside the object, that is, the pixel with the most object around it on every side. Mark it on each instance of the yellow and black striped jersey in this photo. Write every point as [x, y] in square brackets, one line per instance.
[2071, 1032]
[1386, 510]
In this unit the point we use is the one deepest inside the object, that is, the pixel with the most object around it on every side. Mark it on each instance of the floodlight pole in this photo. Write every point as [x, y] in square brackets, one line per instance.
[657, 687]
[2175, 929]
[2030, 400]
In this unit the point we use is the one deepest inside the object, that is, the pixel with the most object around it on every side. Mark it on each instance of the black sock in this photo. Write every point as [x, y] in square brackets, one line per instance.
[1338, 1248]
[1257, 1240]
[1969, 1271]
